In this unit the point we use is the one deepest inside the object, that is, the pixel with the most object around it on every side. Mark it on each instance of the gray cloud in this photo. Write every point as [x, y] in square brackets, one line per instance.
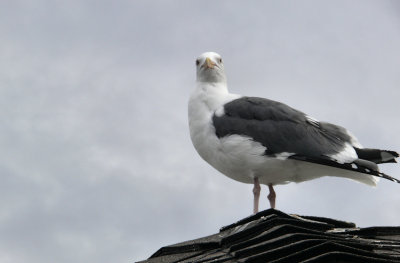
[96, 160]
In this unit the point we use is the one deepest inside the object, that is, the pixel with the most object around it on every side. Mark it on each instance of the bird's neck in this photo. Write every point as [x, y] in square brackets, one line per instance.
[213, 88]
[212, 95]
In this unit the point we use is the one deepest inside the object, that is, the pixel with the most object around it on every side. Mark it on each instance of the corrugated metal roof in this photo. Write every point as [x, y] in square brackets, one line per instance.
[273, 236]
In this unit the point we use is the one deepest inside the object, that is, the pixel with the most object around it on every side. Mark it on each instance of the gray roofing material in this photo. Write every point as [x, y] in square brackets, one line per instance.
[273, 236]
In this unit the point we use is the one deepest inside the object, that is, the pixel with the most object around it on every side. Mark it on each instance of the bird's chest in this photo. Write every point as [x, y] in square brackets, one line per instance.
[233, 155]
[202, 131]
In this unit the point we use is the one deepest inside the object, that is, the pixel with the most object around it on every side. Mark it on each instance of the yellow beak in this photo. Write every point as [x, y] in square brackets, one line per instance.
[209, 63]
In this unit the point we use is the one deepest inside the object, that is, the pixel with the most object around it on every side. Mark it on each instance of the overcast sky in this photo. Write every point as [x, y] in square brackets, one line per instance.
[96, 162]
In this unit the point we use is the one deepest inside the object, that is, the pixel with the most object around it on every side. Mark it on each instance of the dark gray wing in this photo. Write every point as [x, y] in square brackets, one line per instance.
[280, 128]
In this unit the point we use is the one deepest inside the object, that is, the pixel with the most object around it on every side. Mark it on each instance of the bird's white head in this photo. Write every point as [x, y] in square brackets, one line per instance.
[210, 68]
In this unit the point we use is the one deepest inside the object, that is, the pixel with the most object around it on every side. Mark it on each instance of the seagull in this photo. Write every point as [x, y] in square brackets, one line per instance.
[260, 141]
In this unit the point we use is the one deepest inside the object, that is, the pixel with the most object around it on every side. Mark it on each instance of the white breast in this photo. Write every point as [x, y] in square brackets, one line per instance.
[235, 155]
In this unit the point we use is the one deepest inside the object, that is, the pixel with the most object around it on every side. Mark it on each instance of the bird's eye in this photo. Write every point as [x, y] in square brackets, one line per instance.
[220, 60]
[197, 62]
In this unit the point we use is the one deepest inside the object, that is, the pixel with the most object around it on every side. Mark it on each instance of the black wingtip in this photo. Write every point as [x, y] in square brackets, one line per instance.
[376, 155]
[355, 167]
[388, 177]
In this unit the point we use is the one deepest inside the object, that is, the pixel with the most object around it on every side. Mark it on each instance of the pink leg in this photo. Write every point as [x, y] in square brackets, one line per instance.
[256, 192]
[271, 196]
